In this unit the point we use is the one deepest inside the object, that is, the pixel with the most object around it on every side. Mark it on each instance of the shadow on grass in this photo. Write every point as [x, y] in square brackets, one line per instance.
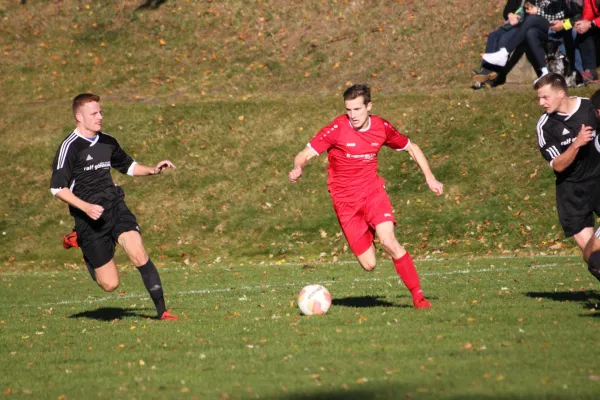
[151, 4]
[110, 314]
[400, 392]
[364, 301]
[589, 299]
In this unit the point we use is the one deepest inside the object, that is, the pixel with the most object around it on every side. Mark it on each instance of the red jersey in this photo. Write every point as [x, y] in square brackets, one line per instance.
[352, 171]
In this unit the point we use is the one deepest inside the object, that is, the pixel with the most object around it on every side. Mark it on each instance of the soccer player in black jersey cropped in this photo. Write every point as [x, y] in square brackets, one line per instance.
[81, 178]
[591, 253]
[567, 139]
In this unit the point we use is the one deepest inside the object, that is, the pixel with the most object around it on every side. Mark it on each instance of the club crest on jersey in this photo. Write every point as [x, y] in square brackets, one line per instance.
[565, 131]
[89, 157]
[103, 164]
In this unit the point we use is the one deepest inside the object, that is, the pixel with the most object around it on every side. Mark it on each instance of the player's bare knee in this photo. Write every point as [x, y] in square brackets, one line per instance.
[368, 265]
[109, 286]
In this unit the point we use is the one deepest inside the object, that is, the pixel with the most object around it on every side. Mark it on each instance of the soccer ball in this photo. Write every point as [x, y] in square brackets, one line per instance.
[314, 299]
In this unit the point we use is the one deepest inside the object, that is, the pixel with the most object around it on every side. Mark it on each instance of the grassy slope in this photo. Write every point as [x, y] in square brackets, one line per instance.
[230, 93]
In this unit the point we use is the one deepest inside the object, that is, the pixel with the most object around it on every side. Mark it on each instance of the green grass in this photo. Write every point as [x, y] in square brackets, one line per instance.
[230, 93]
[501, 328]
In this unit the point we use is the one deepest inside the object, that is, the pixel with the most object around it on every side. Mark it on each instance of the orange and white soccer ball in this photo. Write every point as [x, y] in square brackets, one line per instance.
[314, 300]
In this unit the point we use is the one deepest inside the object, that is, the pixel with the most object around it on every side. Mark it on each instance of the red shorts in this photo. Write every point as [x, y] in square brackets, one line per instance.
[359, 219]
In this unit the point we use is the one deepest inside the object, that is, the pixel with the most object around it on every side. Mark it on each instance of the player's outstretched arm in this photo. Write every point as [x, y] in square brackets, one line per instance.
[564, 160]
[300, 161]
[93, 211]
[417, 154]
[143, 170]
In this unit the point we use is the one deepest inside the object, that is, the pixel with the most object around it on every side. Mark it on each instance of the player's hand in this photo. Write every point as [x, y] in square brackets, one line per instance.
[531, 10]
[295, 174]
[584, 136]
[436, 186]
[93, 211]
[162, 165]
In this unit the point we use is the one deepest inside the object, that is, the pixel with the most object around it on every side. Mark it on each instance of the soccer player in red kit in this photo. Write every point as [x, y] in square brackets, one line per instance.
[359, 198]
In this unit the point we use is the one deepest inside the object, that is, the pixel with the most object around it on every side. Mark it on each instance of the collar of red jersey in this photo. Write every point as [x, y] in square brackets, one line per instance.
[361, 130]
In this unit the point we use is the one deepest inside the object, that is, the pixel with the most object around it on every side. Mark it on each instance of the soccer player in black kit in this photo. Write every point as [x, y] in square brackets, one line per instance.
[81, 178]
[591, 253]
[567, 140]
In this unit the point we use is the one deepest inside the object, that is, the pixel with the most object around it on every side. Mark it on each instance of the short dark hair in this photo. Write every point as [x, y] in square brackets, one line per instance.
[556, 81]
[82, 99]
[358, 90]
[595, 99]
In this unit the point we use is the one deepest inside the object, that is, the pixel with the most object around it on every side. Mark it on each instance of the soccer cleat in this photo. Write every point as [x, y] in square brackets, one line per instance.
[498, 58]
[421, 303]
[70, 240]
[167, 316]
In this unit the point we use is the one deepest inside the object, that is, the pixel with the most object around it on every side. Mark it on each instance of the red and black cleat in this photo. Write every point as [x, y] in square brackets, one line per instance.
[421, 303]
[70, 240]
[167, 316]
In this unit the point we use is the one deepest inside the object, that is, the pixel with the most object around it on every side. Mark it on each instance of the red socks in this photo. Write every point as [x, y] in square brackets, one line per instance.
[405, 267]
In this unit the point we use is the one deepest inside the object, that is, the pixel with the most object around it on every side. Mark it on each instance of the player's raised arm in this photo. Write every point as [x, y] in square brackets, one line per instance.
[417, 154]
[143, 170]
[300, 161]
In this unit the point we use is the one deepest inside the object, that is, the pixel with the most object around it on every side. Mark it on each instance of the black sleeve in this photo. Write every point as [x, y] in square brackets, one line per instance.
[510, 7]
[548, 143]
[120, 160]
[62, 167]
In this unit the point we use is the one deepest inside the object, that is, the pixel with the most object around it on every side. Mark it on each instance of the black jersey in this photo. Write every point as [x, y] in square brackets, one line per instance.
[556, 132]
[84, 167]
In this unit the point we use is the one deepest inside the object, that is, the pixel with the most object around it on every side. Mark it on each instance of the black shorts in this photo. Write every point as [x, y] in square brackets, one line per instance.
[576, 203]
[97, 239]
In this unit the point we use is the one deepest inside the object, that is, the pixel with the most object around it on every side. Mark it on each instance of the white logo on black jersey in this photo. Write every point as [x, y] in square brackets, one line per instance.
[89, 157]
[565, 131]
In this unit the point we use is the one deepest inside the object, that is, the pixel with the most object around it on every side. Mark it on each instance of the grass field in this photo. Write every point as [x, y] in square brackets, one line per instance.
[230, 91]
[500, 328]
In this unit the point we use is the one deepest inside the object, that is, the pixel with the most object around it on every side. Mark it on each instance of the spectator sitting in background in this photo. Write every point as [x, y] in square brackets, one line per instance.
[533, 31]
[574, 41]
[587, 29]
[492, 75]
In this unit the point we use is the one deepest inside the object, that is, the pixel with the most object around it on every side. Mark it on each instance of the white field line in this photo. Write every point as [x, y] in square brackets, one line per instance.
[91, 300]
[298, 264]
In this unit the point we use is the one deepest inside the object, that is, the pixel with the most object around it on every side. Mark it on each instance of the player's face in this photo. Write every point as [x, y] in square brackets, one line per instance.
[89, 117]
[549, 98]
[358, 112]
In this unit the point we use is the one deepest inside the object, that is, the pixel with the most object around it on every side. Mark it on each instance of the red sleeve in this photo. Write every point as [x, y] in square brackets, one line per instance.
[588, 10]
[394, 139]
[326, 137]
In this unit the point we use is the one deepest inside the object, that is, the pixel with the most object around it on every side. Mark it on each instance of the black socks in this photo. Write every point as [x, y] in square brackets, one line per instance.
[152, 282]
